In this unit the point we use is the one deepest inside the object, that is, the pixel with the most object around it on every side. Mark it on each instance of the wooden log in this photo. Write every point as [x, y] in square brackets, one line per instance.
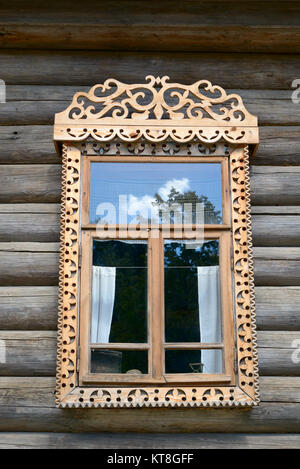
[37, 183]
[31, 440]
[85, 68]
[27, 353]
[27, 144]
[275, 210]
[266, 418]
[276, 230]
[276, 266]
[29, 227]
[279, 145]
[277, 308]
[28, 308]
[35, 308]
[41, 183]
[33, 144]
[271, 106]
[27, 391]
[194, 26]
[279, 389]
[31, 208]
[275, 185]
[29, 268]
[33, 353]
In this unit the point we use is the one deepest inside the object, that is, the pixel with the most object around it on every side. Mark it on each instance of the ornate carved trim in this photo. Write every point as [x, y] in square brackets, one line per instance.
[168, 148]
[243, 272]
[156, 110]
[245, 392]
[68, 274]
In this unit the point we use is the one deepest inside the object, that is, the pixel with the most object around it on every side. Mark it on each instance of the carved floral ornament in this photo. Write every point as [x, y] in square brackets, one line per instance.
[157, 118]
[156, 111]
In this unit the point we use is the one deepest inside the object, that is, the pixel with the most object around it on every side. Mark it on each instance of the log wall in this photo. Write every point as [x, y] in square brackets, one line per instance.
[249, 47]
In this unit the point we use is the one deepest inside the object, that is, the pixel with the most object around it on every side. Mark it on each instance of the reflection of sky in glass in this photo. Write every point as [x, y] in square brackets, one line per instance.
[141, 181]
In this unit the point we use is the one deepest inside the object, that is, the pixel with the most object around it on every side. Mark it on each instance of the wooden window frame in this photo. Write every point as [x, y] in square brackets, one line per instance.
[196, 140]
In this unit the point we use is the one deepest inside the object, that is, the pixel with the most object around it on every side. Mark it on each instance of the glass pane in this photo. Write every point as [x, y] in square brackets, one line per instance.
[192, 291]
[134, 362]
[194, 361]
[119, 291]
[132, 193]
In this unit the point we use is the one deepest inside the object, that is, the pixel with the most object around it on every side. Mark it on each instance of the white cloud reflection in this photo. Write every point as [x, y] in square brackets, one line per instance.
[145, 205]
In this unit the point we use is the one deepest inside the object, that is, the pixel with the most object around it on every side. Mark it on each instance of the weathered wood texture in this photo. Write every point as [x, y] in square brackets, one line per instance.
[83, 68]
[33, 353]
[267, 418]
[188, 26]
[28, 308]
[33, 144]
[114, 441]
[278, 308]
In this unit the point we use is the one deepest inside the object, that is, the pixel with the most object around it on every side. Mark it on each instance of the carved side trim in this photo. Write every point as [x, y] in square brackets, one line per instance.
[68, 273]
[243, 273]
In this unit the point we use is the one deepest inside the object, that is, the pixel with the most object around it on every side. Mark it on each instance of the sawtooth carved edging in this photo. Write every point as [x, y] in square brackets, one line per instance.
[198, 132]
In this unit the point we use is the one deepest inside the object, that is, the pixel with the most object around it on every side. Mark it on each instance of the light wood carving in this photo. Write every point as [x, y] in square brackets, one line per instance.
[156, 119]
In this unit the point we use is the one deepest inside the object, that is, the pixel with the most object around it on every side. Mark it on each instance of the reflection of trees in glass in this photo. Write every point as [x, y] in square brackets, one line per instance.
[211, 215]
[181, 285]
[130, 307]
[181, 288]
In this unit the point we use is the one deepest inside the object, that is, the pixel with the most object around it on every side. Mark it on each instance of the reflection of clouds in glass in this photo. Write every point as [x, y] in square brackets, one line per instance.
[180, 185]
[147, 202]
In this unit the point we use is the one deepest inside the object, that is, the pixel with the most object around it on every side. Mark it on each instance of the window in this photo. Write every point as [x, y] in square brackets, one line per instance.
[156, 281]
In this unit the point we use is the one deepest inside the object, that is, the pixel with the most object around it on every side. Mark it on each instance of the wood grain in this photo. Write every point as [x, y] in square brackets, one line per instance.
[83, 68]
[30, 440]
[195, 26]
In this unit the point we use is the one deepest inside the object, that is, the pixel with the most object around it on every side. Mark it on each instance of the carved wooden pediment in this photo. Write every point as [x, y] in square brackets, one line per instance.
[156, 111]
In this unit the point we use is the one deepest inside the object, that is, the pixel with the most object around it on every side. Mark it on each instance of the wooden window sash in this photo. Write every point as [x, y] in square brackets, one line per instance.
[156, 344]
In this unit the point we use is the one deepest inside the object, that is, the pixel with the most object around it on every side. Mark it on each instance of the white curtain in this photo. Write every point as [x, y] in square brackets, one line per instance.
[210, 316]
[103, 298]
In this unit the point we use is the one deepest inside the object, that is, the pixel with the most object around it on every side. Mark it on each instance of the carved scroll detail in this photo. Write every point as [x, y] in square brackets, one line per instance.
[157, 99]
